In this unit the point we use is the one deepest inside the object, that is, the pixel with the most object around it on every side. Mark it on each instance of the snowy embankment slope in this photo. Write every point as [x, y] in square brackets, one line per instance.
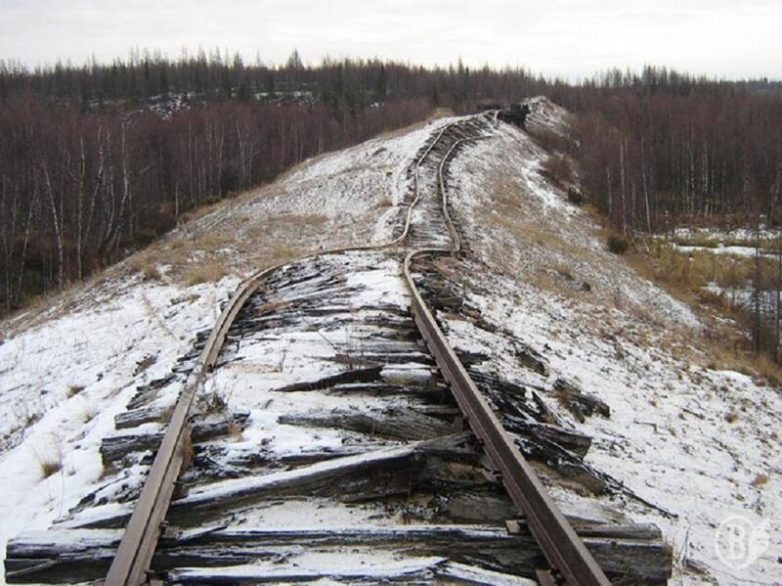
[341, 199]
[538, 269]
[695, 440]
[66, 371]
[63, 381]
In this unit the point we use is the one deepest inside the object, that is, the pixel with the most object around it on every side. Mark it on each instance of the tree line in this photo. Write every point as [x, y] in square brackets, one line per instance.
[79, 190]
[216, 75]
[662, 150]
[658, 152]
[98, 159]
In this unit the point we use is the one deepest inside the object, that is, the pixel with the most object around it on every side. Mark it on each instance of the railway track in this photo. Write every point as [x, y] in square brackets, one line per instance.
[382, 433]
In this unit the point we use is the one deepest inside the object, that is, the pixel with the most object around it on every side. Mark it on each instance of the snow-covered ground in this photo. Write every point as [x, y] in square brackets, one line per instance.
[739, 242]
[63, 380]
[695, 440]
[700, 442]
[340, 199]
[746, 235]
[67, 370]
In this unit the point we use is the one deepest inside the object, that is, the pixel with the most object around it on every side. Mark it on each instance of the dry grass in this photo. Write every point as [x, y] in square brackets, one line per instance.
[208, 208]
[146, 263]
[73, 390]
[209, 272]
[49, 463]
[763, 367]
[517, 227]
[50, 467]
[282, 253]
[436, 113]
[281, 228]
[150, 273]
[212, 241]
[301, 221]
[558, 169]
[725, 343]
[686, 274]
[761, 480]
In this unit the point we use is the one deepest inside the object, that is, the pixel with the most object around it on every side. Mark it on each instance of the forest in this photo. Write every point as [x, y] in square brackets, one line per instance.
[100, 159]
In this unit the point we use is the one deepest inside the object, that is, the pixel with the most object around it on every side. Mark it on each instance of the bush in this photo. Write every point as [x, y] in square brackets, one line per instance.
[49, 467]
[575, 197]
[618, 244]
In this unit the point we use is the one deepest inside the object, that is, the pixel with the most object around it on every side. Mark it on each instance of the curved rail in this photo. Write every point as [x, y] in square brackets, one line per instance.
[132, 562]
[134, 555]
[562, 547]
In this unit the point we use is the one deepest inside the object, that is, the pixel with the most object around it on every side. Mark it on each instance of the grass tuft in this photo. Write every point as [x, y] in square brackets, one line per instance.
[73, 390]
[575, 197]
[210, 272]
[50, 467]
[761, 480]
[557, 169]
[150, 272]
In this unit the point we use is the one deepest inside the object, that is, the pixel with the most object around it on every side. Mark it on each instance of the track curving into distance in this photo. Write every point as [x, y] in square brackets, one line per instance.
[563, 549]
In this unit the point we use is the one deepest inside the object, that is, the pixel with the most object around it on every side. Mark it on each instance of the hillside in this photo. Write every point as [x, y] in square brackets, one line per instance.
[686, 444]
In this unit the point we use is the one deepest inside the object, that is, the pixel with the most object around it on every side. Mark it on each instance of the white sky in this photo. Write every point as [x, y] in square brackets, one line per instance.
[723, 38]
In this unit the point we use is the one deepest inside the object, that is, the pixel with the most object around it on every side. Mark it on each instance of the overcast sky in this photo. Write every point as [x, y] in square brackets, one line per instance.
[723, 38]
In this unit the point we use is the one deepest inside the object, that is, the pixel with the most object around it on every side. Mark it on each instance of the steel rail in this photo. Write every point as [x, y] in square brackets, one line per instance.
[132, 562]
[563, 548]
[560, 544]
[137, 547]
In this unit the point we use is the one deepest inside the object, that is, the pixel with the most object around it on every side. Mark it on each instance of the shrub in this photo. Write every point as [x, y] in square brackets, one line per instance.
[50, 462]
[618, 243]
[713, 298]
[556, 169]
[73, 390]
[760, 480]
[575, 197]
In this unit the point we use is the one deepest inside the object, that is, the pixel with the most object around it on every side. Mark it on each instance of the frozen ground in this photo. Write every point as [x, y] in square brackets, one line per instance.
[63, 380]
[695, 441]
[67, 369]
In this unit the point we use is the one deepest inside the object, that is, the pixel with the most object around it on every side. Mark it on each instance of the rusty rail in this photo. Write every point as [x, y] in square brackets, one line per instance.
[563, 548]
[131, 564]
[134, 555]
[560, 544]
